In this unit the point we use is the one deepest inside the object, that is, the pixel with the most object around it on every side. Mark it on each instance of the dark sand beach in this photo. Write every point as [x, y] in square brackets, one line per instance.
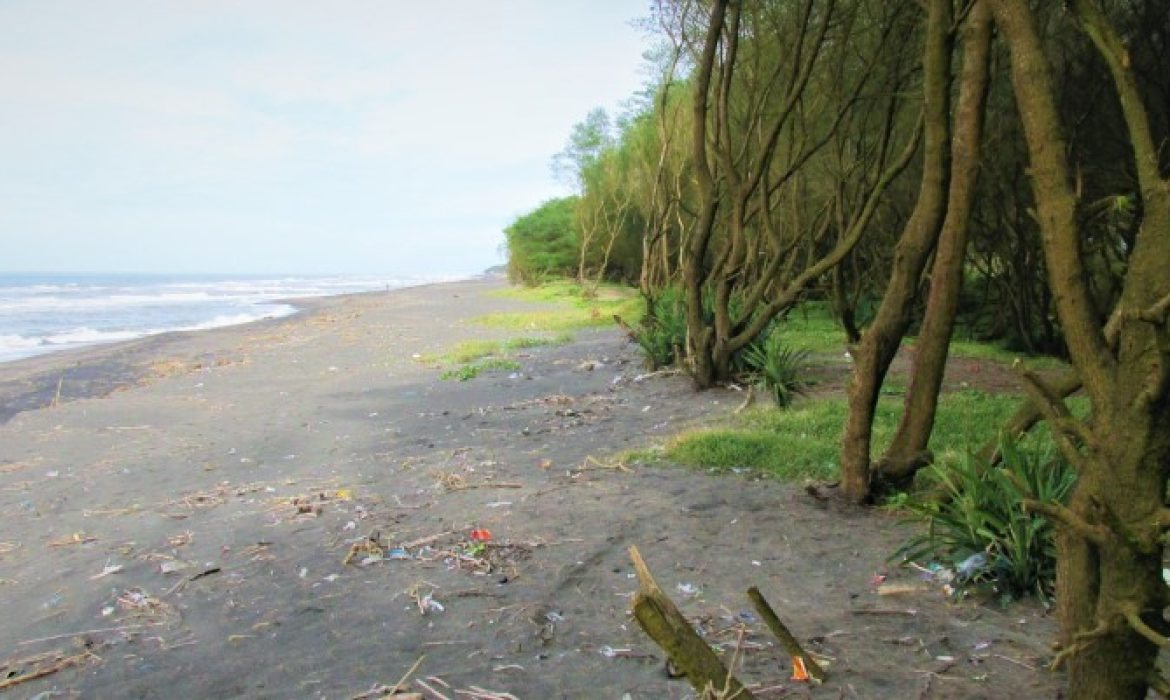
[177, 524]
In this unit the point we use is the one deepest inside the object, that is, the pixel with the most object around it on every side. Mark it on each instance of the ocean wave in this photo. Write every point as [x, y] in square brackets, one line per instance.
[39, 316]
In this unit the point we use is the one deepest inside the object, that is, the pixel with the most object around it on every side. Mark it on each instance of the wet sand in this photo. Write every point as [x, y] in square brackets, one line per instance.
[179, 524]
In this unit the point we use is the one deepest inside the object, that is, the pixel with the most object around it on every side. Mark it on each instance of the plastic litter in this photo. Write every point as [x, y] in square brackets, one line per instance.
[398, 553]
[481, 535]
[799, 671]
[972, 565]
[690, 590]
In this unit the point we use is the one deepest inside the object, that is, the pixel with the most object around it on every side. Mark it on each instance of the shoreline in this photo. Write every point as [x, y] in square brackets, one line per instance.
[93, 371]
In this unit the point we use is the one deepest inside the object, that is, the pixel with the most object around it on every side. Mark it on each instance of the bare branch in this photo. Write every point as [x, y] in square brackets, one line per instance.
[1159, 684]
[1134, 618]
[1080, 642]
[1064, 426]
[1097, 534]
[1158, 313]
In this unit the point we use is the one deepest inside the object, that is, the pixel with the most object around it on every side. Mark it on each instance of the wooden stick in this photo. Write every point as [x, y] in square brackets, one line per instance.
[662, 621]
[783, 635]
[63, 663]
[400, 685]
[57, 396]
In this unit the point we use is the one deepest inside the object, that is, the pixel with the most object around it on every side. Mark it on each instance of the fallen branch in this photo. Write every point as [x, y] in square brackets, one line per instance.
[797, 652]
[58, 665]
[661, 620]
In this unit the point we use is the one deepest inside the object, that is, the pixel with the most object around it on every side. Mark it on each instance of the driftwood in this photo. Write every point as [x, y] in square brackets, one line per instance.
[800, 657]
[660, 618]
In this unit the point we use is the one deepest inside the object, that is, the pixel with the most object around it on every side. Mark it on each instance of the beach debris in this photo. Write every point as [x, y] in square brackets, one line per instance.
[8, 547]
[972, 566]
[369, 548]
[16, 671]
[658, 616]
[195, 577]
[481, 535]
[888, 589]
[591, 463]
[107, 571]
[452, 481]
[378, 690]
[425, 602]
[690, 590]
[804, 666]
[76, 538]
[138, 603]
[397, 553]
[182, 539]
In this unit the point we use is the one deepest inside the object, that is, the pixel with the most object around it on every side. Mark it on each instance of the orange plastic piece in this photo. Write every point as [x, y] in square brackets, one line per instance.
[799, 672]
[481, 535]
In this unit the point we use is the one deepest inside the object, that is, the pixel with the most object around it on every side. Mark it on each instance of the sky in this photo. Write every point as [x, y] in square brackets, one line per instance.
[289, 136]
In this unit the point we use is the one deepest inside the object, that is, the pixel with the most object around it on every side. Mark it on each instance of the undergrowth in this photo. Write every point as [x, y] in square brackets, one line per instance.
[472, 370]
[979, 530]
[574, 308]
[805, 439]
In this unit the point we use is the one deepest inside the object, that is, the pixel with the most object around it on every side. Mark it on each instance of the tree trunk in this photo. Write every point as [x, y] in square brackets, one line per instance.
[880, 341]
[908, 450]
[1109, 584]
[698, 333]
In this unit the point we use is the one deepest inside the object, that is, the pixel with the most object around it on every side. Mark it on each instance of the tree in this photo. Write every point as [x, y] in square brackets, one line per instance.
[881, 339]
[543, 242]
[1110, 590]
[754, 244]
[908, 449]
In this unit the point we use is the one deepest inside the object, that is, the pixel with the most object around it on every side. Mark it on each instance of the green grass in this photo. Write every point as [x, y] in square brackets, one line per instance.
[976, 350]
[472, 370]
[811, 326]
[574, 310]
[471, 350]
[805, 440]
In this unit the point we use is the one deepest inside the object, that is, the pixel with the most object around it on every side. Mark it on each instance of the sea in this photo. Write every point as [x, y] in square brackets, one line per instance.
[43, 313]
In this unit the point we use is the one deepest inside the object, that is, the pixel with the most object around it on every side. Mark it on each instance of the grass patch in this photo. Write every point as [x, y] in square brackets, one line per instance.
[810, 326]
[805, 440]
[471, 350]
[574, 309]
[976, 350]
[474, 369]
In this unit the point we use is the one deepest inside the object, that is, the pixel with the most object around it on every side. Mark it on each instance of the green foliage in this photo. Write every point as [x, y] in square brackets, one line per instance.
[778, 367]
[574, 309]
[982, 515]
[662, 333]
[471, 350]
[805, 439]
[474, 369]
[543, 242]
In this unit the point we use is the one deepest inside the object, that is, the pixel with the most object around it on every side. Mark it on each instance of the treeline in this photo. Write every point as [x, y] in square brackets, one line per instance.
[994, 165]
[806, 121]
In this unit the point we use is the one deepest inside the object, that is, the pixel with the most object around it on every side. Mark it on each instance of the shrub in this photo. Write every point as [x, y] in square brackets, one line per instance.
[982, 515]
[777, 367]
[662, 333]
[543, 242]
